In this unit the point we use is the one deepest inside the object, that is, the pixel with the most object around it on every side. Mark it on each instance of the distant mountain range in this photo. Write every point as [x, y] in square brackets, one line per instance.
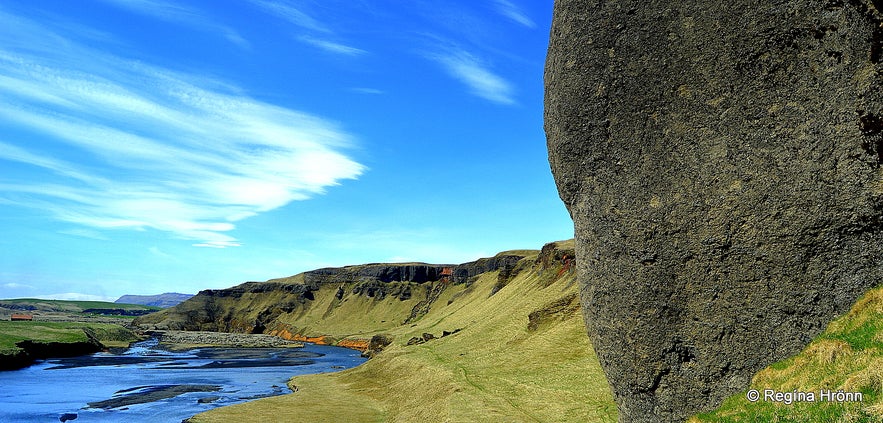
[169, 299]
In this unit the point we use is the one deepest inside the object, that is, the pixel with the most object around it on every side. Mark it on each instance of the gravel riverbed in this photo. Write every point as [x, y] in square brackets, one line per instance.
[189, 339]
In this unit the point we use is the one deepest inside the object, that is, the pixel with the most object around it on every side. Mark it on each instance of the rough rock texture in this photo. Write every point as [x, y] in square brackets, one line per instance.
[418, 272]
[377, 344]
[505, 262]
[721, 162]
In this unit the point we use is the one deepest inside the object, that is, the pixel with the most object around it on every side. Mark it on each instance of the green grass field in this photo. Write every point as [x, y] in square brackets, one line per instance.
[110, 335]
[73, 306]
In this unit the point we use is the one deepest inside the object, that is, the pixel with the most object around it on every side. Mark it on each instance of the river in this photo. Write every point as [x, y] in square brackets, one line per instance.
[149, 384]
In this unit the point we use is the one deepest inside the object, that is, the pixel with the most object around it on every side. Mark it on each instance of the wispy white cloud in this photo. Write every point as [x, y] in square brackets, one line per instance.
[366, 90]
[318, 32]
[513, 12]
[177, 13]
[123, 145]
[85, 233]
[331, 46]
[288, 12]
[14, 153]
[475, 74]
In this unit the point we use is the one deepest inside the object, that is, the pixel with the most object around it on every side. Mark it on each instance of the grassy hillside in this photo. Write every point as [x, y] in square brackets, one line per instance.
[353, 301]
[848, 356]
[521, 355]
[165, 300]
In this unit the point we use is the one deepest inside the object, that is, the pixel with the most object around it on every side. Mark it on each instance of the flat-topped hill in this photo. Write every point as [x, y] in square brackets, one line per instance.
[166, 300]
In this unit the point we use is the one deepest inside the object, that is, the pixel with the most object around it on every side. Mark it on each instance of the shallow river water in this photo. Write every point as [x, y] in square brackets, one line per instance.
[147, 384]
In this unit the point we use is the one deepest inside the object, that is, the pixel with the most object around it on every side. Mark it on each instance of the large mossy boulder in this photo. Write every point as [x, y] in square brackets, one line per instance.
[722, 165]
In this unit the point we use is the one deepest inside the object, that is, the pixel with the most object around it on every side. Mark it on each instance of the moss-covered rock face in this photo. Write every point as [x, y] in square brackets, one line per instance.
[722, 164]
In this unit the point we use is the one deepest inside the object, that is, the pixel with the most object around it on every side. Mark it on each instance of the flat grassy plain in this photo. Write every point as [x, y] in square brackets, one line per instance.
[109, 334]
[63, 321]
[73, 306]
[56, 308]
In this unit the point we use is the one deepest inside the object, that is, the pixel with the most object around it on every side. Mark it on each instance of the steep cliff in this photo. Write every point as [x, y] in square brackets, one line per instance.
[327, 305]
[722, 164]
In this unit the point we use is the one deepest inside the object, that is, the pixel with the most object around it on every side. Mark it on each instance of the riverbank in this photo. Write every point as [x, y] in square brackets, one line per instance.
[22, 343]
[147, 382]
[185, 340]
[59, 328]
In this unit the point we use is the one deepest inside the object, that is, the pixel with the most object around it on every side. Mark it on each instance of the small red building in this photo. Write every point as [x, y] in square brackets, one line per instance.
[21, 317]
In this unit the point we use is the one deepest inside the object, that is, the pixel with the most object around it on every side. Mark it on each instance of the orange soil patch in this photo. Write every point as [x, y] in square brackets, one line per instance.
[356, 344]
[284, 333]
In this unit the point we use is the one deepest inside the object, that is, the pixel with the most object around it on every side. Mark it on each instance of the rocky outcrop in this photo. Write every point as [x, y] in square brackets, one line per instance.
[722, 165]
[559, 309]
[418, 273]
[504, 262]
[377, 344]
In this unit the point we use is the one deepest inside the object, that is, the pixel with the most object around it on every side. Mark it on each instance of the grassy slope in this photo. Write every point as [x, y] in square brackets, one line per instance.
[494, 369]
[847, 356]
[357, 316]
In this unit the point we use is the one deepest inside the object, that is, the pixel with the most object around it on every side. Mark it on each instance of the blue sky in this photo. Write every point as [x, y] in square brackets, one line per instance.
[149, 146]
